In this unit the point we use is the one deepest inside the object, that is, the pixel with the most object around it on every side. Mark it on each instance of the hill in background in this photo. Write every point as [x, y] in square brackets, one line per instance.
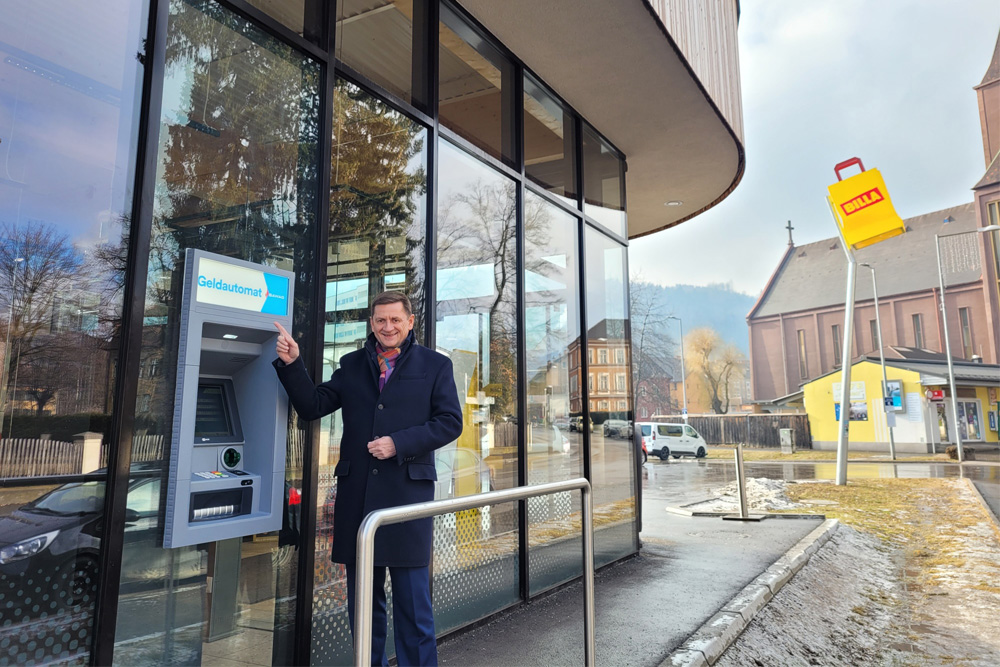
[717, 306]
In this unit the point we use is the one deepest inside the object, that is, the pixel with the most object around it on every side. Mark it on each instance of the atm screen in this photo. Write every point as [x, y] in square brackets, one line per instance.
[212, 417]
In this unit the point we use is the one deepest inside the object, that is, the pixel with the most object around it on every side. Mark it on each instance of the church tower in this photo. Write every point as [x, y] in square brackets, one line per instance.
[988, 93]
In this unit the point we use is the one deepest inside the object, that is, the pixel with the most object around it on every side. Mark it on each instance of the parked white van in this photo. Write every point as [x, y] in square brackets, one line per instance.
[677, 440]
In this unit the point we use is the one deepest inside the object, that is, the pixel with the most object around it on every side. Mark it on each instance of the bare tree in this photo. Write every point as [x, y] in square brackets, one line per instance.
[715, 362]
[651, 344]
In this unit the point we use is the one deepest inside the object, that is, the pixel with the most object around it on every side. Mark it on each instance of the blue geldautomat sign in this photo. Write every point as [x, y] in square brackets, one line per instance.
[223, 284]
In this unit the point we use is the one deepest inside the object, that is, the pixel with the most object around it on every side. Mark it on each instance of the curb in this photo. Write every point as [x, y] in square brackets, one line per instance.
[982, 501]
[710, 641]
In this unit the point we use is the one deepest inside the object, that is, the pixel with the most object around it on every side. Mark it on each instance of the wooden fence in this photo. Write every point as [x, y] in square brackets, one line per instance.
[33, 457]
[761, 430]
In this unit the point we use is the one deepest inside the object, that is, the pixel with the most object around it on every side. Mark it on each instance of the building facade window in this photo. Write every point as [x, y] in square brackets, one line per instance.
[803, 364]
[620, 356]
[620, 382]
[918, 330]
[969, 420]
[965, 322]
[603, 385]
[602, 356]
[873, 331]
[837, 344]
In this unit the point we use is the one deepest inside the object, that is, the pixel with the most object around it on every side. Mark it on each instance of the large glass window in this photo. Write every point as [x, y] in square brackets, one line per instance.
[603, 183]
[236, 175]
[549, 142]
[474, 93]
[304, 17]
[376, 39]
[551, 331]
[377, 232]
[969, 422]
[613, 460]
[69, 89]
[477, 328]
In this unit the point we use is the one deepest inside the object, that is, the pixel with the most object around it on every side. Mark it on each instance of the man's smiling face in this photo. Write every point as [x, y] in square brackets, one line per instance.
[391, 324]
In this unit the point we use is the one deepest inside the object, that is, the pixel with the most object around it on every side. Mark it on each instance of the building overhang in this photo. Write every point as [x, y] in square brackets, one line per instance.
[616, 64]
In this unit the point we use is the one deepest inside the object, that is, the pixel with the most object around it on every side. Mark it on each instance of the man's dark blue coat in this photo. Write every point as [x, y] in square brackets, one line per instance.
[418, 408]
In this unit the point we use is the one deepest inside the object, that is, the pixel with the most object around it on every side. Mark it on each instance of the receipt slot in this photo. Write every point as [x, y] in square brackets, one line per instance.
[227, 459]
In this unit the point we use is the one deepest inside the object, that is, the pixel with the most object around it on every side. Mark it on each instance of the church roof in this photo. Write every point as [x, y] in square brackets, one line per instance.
[993, 71]
[815, 275]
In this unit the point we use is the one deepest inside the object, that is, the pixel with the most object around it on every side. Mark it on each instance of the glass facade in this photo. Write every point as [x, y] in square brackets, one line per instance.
[68, 130]
[235, 175]
[359, 163]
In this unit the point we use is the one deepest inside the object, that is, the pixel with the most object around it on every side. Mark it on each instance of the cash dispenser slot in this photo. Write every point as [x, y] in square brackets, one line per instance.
[225, 504]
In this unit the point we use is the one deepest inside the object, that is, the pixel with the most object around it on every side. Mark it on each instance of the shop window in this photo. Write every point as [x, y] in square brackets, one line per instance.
[475, 88]
[549, 142]
[970, 423]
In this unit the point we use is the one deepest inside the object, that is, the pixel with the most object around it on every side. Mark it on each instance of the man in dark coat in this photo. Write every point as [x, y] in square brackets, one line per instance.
[399, 404]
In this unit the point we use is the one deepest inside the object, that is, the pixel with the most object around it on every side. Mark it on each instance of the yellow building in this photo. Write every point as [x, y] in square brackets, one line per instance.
[921, 417]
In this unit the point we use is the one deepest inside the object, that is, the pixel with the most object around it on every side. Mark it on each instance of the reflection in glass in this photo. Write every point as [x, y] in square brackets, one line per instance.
[549, 142]
[378, 196]
[612, 451]
[552, 332]
[477, 329]
[68, 108]
[603, 183]
[375, 38]
[236, 175]
[475, 88]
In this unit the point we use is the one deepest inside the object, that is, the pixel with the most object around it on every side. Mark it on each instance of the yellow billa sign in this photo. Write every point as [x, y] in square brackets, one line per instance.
[862, 207]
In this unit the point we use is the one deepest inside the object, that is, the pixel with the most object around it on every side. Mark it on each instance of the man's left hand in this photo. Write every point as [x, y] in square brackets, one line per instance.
[382, 448]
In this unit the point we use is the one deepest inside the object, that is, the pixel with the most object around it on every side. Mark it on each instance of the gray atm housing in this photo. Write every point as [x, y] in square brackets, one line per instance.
[227, 483]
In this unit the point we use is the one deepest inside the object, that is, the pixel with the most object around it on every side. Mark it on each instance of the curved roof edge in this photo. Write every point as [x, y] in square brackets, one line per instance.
[618, 66]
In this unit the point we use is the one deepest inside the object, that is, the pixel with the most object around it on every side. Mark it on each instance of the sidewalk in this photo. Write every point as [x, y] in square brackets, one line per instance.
[688, 570]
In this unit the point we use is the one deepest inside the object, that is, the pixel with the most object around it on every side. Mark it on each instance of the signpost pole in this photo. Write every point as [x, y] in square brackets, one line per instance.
[845, 356]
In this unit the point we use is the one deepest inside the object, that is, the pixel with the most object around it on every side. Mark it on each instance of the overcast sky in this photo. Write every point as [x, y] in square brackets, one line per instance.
[889, 81]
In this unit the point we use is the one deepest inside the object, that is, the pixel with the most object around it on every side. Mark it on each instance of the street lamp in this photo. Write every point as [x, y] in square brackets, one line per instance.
[6, 344]
[881, 354]
[944, 321]
[684, 409]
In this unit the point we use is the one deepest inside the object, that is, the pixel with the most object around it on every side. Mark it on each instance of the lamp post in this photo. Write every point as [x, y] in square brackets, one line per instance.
[944, 321]
[6, 344]
[881, 354]
[684, 391]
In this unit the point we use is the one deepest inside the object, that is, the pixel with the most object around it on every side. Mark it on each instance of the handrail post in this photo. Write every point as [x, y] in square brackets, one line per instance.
[589, 614]
[376, 519]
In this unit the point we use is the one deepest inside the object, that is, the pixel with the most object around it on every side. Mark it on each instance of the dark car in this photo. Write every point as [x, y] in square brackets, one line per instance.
[52, 545]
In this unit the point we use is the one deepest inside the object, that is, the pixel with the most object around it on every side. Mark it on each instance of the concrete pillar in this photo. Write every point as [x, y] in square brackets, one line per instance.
[91, 444]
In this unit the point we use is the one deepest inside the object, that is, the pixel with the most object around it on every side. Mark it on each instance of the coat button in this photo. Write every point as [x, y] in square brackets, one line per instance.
[375, 471]
[380, 406]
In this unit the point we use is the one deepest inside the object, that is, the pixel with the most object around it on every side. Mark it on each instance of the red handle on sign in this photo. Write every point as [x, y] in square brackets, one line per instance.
[845, 164]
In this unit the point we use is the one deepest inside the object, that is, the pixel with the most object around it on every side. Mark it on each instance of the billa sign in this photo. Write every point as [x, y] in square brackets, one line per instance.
[862, 207]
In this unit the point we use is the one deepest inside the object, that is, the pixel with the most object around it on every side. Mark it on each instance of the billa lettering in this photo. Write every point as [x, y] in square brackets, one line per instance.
[862, 201]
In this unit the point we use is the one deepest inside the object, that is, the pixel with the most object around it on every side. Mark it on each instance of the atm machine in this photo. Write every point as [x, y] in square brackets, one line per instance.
[227, 459]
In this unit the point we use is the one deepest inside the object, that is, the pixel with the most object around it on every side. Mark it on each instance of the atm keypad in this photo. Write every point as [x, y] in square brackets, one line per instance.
[212, 474]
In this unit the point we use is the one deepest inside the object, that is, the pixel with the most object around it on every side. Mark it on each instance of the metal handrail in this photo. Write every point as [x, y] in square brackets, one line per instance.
[378, 518]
